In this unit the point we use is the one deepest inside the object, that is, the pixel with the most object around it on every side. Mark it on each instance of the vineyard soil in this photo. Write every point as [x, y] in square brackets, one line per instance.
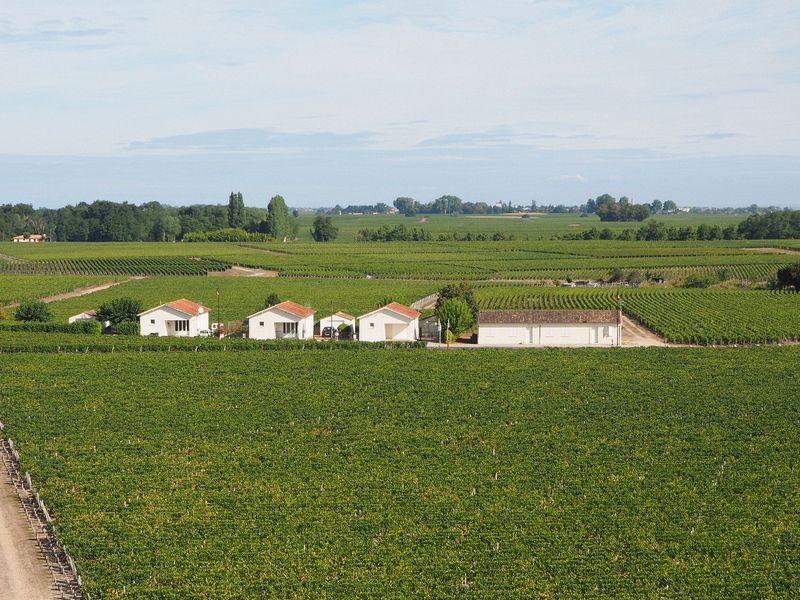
[23, 571]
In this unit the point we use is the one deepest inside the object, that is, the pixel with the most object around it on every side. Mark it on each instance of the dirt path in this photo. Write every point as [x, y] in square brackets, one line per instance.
[636, 335]
[24, 571]
[237, 271]
[773, 250]
[82, 291]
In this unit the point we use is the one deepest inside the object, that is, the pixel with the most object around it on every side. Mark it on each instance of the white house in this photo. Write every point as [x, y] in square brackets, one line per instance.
[287, 320]
[393, 322]
[181, 318]
[550, 328]
[334, 321]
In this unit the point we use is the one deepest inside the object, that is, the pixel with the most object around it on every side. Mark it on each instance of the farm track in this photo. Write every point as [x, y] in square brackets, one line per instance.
[32, 564]
[82, 291]
[636, 335]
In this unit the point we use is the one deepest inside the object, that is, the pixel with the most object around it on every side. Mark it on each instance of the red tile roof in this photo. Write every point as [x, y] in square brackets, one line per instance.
[293, 308]
[401, 309]
[188, 307]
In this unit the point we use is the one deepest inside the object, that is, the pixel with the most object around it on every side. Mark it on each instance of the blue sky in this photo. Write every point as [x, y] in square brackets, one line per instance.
[360, 102]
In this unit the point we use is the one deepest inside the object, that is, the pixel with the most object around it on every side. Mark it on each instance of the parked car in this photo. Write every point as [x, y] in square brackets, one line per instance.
[205, 333]
[327, 332]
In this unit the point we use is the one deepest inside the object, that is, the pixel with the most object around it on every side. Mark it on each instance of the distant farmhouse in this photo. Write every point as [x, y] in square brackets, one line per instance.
[287, 320]
[393, 322]
[180, 318]
[34, 238]
[549, 328]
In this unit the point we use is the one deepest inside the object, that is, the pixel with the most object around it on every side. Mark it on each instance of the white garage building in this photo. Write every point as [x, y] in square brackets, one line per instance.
[180, 318]
[334, 321]
[393, 322]
[549, 328]
[287, 320]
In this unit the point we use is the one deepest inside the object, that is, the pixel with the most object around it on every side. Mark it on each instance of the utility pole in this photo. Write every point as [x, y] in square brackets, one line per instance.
[219, 318]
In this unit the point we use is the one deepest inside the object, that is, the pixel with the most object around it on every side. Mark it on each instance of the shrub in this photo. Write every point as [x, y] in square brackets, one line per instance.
[695, 280]
[127, 328]
[33, 310]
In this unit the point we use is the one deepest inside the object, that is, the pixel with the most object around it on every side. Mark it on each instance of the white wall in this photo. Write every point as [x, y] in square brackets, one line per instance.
[269, 318]
[162, 315]
[574, 334]
[373, 327]
[326, 322]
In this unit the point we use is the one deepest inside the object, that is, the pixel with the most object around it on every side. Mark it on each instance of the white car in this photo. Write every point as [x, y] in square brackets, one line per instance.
[205, 333]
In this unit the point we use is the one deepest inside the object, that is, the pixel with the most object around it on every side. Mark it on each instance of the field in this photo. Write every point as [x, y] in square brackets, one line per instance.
[476, 261]
[482, 474]
[14, 288]
[693, 316]
[535, 227]
[242, 296]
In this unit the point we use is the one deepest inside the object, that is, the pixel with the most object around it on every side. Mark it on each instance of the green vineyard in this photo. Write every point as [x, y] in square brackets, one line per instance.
[156, 265]
[639, 473]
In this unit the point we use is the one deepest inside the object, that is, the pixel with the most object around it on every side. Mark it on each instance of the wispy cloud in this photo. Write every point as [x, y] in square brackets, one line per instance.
[716, 135]
[577, 178]
[50, 31]
[253, 140]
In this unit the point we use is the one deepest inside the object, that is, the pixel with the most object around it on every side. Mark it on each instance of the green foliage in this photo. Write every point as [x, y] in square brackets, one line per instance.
[32, 310]
[789, 277]
[236, 211]
[279, 223]
[609, 209]
[272, 300]
[460, 291]
[226, 235]
[79, 327]
[127, 328]
[455, 315]
[772, 225]
[323, 229]
[120, 310]
[157, 481]
[695, 280]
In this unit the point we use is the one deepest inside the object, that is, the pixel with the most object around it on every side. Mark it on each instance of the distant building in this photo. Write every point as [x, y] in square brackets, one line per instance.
[34, 238]
[334, 321]
[179, 318]
[287, 320]
[549, 328]
[393, 322]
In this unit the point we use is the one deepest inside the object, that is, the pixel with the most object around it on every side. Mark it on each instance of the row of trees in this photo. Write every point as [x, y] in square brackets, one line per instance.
[104, 221]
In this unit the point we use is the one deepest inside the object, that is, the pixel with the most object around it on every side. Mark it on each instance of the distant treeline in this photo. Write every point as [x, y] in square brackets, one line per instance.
[783, 224]
[104, 221]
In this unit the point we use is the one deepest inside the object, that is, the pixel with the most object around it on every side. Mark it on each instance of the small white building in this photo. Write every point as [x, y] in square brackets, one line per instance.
[334, 321]
[393, 322]
[89, 315]
[180, 318]
[550, 328]
[287, 320]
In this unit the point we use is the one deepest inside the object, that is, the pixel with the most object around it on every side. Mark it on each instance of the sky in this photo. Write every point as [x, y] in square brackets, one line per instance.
[352, 102]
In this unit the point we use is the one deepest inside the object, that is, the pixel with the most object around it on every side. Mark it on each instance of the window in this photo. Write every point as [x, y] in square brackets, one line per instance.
[181, 325]
[261, 323]
[372, 324]
[152, 321]
[289, 328]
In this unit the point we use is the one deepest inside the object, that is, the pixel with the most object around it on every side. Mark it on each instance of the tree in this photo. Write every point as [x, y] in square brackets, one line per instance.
[789, 276]
[120, 310]
[33, 310]
[236, 210]
[272, 300]
[455, 315]
[656, 206]
[279, 223]
[405, 205]
[323, 229]
[669, 206]
[462, 291]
